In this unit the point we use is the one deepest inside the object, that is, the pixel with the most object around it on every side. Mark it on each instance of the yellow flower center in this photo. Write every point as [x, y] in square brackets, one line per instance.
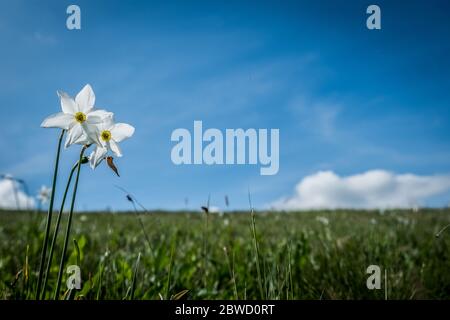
[106, 135]
[80, 117]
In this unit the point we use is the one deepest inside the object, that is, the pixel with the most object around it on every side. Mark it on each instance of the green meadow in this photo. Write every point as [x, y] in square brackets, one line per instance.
[270, 255]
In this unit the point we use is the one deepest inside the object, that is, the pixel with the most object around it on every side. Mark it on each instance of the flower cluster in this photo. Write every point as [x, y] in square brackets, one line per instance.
[86, 125]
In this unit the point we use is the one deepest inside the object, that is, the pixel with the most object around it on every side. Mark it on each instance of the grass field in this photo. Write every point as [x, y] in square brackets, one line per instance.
[308, 255]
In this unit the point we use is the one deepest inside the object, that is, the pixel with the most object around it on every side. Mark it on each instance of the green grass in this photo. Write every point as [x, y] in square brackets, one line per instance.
[300, 257]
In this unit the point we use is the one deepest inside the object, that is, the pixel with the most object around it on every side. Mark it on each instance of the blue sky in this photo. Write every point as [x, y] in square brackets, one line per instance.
[346, 99]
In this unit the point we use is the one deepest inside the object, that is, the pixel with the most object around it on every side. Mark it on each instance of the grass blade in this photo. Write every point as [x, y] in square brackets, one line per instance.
[133, 283]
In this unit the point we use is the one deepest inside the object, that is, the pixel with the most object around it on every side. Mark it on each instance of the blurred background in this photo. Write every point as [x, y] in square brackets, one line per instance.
[364, 115]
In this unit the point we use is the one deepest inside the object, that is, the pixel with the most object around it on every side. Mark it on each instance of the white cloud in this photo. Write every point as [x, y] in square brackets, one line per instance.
[214, 209]
[11, 195]
[371, 189]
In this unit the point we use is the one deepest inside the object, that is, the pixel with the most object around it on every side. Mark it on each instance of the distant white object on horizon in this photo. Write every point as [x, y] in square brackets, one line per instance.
[44, 194]
[12, 197]
[373, 189]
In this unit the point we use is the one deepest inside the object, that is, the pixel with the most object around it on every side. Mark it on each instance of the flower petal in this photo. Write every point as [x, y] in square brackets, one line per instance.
[92, 132]
[93, 129]
[85, 99]
[58, 120]
[73, 135]
[96, 122]
[97, 156]
[121, 131]
[100, 116]
[68, 105]
[115, 148]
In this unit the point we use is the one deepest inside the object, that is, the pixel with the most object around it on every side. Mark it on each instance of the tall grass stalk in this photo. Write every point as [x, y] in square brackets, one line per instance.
[49, 218]
[134, 201]
[290, 273]
[141, 223]
[231, 270]
[256, 247]
[205, 249]
[55, 234]
[78, 252]
[99, 288]
[205, 243]
[69, 224]
[385, 285]
[170, 270]
[26, 275]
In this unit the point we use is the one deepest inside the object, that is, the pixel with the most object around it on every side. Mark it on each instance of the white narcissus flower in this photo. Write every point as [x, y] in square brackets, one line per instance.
[44, 194]
[108, 135]
[78, 116]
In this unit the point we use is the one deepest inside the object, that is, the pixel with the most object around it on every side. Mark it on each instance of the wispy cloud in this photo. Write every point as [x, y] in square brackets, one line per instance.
[371, 189]
[43, 38]
[318, 116]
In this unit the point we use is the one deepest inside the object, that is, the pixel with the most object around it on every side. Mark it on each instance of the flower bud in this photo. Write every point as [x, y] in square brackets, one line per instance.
[109, 161]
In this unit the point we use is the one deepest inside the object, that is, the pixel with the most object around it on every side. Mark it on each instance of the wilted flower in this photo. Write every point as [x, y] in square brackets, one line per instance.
[44, 194]
[78, 116]
[110, 163]
[107, 136]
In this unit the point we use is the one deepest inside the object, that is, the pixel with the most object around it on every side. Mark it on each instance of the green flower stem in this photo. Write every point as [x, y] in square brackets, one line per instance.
[49, 218]
[69, 224]
[55, 235]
